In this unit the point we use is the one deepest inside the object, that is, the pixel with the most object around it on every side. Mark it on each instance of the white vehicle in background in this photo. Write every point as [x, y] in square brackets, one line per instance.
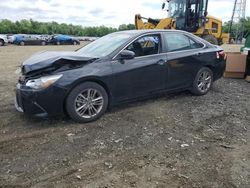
[3, 40]
[11, 38]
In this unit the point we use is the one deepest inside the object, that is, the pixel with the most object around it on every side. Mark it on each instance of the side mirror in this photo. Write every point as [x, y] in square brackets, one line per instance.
[127, 54]
[163, 6]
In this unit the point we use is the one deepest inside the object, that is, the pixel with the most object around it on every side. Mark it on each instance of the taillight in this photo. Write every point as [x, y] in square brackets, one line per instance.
[220, 55]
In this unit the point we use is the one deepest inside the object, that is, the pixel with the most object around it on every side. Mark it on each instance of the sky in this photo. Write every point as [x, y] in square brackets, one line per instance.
[111, 13]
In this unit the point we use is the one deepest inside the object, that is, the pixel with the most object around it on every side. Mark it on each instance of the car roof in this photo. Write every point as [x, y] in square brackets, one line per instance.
[145, 31]
[136, 33]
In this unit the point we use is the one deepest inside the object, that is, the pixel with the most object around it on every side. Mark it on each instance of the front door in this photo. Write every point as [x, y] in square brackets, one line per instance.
[142, 75]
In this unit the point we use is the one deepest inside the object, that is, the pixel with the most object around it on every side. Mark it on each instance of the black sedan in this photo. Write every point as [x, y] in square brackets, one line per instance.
[116, 68]
[29, 40]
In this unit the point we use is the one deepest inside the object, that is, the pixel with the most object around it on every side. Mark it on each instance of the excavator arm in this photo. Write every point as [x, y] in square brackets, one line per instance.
[165, 23]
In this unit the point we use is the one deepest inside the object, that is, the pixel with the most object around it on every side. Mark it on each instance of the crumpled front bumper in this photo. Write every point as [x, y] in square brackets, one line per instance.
[40, 103]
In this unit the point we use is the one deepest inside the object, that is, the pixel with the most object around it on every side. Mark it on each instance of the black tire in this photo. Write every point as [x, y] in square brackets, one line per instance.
[1, 42]
[211, 39]
[22, 43]
[71, 104]
[58, 43]
[74, 43]
[197, 83]
[43, 43]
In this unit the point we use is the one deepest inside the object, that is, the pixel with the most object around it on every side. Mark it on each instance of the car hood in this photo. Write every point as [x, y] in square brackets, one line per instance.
[46, 59]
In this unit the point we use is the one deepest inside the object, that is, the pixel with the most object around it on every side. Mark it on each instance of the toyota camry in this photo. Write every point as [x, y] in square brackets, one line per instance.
[118, 67]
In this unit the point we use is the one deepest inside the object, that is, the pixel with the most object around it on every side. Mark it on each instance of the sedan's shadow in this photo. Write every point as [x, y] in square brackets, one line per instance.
[65, 121]
[146, 100]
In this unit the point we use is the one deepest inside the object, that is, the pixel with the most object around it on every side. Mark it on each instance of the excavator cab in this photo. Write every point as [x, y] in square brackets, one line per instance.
[189, 15]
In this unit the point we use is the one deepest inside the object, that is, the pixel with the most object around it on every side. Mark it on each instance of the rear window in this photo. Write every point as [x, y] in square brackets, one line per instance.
[180, 42]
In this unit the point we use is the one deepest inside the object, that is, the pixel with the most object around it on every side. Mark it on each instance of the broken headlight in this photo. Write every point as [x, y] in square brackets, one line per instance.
[42, 82]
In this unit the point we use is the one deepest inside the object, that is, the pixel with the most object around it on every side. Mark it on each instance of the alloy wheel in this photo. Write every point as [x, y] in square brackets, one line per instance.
[204, 81]
[89, 103]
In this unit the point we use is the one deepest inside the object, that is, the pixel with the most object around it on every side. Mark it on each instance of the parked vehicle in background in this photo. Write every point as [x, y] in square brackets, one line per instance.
[91, 39]
[29, 40]
[3, 40]
[64, 39]
[116, 68]
[11, 38]
[44, 37]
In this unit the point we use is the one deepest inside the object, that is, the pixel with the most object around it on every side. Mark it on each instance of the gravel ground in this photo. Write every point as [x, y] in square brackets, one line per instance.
[176, 140]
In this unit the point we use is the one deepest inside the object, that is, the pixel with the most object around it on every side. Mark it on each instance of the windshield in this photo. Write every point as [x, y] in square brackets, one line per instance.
[104, 46]
[177, 8]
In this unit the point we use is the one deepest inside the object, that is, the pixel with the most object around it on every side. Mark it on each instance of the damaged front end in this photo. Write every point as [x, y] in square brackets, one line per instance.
[46, 63]
[37, 83]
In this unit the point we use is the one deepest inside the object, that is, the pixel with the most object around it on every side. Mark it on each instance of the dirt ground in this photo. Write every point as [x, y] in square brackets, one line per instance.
[176, 140]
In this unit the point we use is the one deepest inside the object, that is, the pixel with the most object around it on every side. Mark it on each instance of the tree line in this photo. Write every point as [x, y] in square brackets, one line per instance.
[35, 27]
[244, 24]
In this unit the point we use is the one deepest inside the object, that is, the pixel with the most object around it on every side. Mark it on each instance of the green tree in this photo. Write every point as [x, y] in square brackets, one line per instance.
[36, 27]
[245, 23]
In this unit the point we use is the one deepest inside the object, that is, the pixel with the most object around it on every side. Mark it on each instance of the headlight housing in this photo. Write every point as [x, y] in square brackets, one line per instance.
[43, 82]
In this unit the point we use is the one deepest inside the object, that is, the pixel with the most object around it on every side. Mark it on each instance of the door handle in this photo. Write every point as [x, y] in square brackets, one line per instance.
[199, 53]
[161, 62]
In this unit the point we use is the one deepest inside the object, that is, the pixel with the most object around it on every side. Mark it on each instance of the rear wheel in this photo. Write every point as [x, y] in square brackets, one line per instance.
[43, 43]
[211, 39]
[1, 42]
[203, 81]
[87, 102]
[22, 43]
[74, 43]
[58, 43]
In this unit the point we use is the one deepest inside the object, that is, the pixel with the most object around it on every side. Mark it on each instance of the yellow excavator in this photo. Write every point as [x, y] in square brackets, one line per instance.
[190, 16]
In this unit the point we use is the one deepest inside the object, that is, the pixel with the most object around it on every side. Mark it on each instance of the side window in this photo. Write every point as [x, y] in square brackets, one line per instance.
[195, 44]
[144, 46]
[179, 42]
[214, 27]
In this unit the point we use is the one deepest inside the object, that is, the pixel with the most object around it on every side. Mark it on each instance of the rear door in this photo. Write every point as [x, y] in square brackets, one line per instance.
[145, 73]
[185, 56]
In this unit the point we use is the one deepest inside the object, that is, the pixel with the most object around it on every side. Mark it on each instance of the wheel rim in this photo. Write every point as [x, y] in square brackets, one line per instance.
[89, 103]
[204, 81]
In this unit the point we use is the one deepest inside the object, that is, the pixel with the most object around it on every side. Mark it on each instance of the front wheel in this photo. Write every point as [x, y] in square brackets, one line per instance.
[87, 102]
[22, 43]
[1, 42]
[203, 81]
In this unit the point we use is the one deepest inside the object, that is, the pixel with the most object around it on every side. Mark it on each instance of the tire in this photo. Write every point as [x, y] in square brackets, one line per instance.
[43, 43]
[22, 43]
[203, 81]
[1, 42]
[87, 102]
[74, 43]
[211, 39]
[58, 43]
